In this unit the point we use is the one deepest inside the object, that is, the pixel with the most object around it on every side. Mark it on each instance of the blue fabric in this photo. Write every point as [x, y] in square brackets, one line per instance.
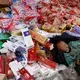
[68, 58]
[74, 55]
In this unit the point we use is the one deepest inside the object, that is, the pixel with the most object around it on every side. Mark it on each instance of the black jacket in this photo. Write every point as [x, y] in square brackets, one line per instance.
[58, 56]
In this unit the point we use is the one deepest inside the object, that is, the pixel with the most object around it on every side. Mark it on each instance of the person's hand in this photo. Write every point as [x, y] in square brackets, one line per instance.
[78, 62]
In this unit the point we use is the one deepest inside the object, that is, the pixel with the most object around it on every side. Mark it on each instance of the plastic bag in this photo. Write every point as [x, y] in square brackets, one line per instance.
[69, 74]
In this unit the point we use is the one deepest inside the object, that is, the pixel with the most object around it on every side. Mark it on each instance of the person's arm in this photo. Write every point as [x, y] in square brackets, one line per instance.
[75, 52]
[64, 37]
[75, 45]
[68, 38]
[69, 60]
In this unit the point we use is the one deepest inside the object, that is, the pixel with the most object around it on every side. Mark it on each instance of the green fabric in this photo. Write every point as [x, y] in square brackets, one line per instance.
[1, 43]
[4, 36]
[74, 55]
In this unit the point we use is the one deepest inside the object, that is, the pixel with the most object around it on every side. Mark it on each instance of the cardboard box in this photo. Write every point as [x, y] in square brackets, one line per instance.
[2, 63]
[25, 74]
[47, 62]
[27, 38]
[39, 38]
[8, 71]
[4, 3]
[3, 77]
[32, 54]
